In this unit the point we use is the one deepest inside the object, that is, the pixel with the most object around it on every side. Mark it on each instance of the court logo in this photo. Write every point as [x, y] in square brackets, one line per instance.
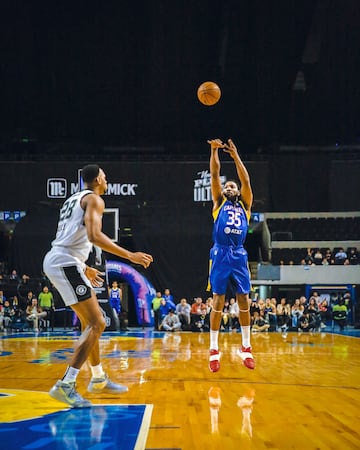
[56, 188]
[81, 289]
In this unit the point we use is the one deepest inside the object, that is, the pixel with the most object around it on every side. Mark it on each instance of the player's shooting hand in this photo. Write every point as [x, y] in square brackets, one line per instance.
[141, 258]
[216, 143]
[230, 148]
[95, 276]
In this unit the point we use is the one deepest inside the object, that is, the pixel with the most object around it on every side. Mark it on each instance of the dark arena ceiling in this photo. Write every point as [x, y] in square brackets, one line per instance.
[122, 74]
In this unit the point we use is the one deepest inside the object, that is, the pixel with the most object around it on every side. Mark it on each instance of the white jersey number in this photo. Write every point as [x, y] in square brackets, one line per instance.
[234, 218]
[67, 210]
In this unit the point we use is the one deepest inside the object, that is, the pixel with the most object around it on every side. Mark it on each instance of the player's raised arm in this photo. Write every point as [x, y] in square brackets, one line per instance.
[216, 188]
[246, 193]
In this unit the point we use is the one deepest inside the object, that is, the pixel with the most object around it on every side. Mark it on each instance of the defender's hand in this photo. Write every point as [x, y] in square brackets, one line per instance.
[141, 258]
[95, 276]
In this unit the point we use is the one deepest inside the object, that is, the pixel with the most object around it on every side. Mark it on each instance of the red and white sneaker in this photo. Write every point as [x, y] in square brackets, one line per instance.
[247, 357]
[214, 360]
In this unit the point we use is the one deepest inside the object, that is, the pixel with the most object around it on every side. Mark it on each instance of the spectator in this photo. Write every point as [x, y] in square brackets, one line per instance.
[353, 256]
[200, 322]
[209, 304]
[25, 280]
[317, 297]
[340, 256]
[7, 312]
[18, 320]
[225, 316]
[234, 314]
[15, 303]
[328, 256]
[324, 311]
[297, 310]
[313, 310]
[318, 257]
[260, 322]
[156, 302]
[254, 306]
[183, 310]
[29, 296]
[33, 313]
[340, 314]
[270, 313]
[46, 302]
[14, 276]
[171, 322]
[303, 301]
[164, 309]
[309, 259]
[283, 314]
[198, 314]
[2, 297]
[198, 307]
[348, 301]
[169, 298]
[306, 321]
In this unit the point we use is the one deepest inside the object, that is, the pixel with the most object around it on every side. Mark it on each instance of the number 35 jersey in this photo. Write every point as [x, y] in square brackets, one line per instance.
[71, 232]
[230, 224]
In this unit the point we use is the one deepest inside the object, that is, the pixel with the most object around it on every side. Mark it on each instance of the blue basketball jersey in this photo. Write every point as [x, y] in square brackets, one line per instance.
[231, 223]
[115, 299]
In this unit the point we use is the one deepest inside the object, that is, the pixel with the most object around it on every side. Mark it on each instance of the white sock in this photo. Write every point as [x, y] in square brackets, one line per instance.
[245, 333]
[70, 375]
[97, 371]
[214, 335]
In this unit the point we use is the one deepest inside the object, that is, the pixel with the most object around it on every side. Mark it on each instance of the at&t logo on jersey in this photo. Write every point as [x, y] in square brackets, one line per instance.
[228, 230]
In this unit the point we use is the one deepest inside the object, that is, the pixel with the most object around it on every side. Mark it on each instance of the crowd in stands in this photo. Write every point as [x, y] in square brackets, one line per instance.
[26, 303]
[302, 314]
[316, 256]
[32, 305]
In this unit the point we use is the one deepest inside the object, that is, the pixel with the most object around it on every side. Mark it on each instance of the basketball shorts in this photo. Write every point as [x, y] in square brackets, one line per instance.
[229, 264]
[66, 274]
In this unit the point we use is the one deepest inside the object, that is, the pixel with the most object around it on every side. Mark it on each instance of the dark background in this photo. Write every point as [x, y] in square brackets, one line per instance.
[126, 73]
[116, 82]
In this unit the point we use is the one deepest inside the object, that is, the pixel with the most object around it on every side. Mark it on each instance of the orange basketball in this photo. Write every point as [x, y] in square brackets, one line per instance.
[209, 93]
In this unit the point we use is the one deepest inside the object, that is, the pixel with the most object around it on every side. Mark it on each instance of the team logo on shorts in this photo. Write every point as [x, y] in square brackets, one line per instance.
[81, 289]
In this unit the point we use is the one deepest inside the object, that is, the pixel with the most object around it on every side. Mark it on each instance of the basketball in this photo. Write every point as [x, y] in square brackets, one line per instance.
[209, 93]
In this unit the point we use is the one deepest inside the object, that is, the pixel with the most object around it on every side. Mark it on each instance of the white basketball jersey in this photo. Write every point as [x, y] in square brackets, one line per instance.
[71, 232]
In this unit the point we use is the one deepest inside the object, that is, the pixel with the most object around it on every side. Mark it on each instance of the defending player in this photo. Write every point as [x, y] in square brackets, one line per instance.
[79, 228]
[228, 257]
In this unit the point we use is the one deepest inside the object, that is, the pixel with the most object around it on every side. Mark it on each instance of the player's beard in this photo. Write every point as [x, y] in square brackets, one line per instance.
[232, 198]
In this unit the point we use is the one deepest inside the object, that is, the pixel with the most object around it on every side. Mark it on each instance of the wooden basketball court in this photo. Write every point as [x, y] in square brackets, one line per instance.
[303, 394]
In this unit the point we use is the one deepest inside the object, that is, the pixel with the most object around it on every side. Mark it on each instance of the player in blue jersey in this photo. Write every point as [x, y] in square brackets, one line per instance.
[115, 297]
[228, 257]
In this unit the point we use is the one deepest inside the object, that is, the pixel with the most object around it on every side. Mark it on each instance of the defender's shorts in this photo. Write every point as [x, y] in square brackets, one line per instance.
[229, 264]
[66, 274]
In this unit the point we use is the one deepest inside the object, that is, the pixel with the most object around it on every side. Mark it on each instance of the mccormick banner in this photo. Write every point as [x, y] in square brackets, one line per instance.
[23, 184]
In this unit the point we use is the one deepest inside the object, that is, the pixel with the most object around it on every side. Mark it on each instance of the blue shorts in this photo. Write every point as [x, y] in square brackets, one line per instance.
[229, 263]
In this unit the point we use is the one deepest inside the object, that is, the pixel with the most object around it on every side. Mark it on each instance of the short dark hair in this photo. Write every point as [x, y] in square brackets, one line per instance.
[233, 181]
[90, 172]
